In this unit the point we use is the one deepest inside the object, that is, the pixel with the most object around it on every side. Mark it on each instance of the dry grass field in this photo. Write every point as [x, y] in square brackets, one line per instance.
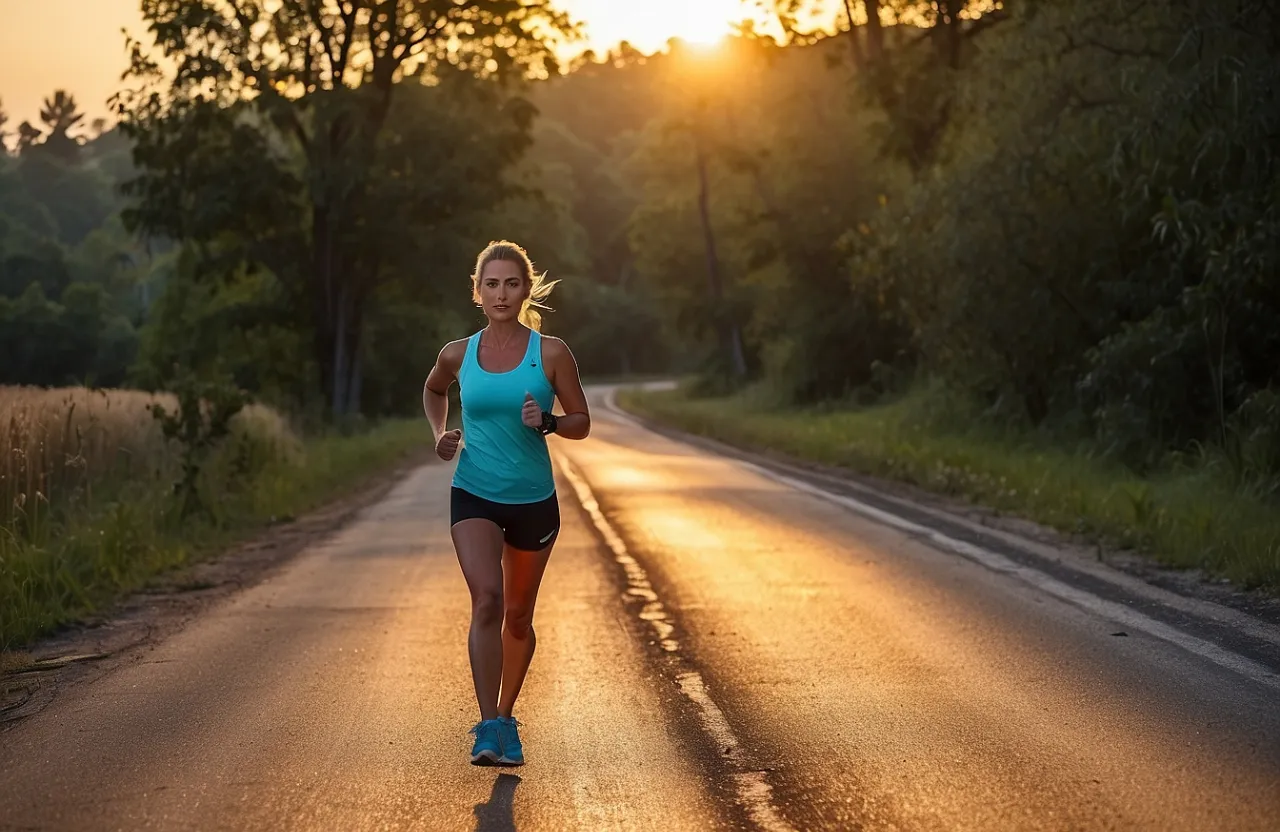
[87, 509]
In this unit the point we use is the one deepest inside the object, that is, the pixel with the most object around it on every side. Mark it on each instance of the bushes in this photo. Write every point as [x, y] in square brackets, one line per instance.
[1192, 514]
[90, 505]
[1094, 248]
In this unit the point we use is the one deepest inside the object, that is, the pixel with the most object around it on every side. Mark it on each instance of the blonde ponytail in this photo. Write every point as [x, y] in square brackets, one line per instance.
[539, 289]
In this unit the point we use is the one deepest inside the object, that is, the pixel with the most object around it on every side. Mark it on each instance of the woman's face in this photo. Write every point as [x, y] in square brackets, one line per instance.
[503, 290]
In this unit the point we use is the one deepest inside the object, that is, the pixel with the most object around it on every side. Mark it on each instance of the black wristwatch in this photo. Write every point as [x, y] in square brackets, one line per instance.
[549, 423]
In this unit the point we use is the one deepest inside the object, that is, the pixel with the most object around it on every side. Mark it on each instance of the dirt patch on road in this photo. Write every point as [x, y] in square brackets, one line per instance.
[125, 633]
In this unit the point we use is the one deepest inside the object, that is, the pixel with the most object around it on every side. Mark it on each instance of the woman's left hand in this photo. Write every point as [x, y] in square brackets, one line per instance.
[531, 413]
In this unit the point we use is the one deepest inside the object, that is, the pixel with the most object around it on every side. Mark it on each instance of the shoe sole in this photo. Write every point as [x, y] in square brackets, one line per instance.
[507, 761]
[485, 758]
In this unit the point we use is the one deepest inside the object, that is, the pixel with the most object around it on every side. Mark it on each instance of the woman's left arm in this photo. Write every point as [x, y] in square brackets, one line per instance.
[575, 422]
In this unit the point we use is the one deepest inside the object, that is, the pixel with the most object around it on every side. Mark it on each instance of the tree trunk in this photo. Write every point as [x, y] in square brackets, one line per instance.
[725, 320]
[337, 287]
[356, 383]
[355, 336]
[881, 73]
[323, 301]
[875, 32]
[855, 42]
[948, 28]
[341, 355]
[355, 351]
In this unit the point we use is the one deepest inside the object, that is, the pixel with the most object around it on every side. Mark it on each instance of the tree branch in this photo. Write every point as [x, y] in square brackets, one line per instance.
[338, 69]
[875, 32]
[427, 33]
[324, 33]
[386, 20]
[247, 64]
[855, 44]
[1075, 43]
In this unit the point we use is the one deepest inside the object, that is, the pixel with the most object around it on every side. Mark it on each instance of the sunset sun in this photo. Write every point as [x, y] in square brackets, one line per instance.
[703, 23]
[648, 26]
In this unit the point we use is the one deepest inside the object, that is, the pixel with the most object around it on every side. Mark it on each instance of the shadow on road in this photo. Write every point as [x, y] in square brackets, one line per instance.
[498, 814]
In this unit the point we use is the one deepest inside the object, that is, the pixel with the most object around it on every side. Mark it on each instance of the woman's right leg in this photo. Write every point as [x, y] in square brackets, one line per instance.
[479, 547]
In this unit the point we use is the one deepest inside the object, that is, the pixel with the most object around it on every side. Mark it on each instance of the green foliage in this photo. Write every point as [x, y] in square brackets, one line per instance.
[315, 169]
[1091, 245]
[61, 115]
[32, 261]
[1061, 212]
[1192, 517]
[78, 197]
[69, 274]
[242, 328]
[613, 329]
[1064, 209]
[71, 340]
[1201, 161]
[201, 421]
[81, 560]
[1253, 442]
[790, 174]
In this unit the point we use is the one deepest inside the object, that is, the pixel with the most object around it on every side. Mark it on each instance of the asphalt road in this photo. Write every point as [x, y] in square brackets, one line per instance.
[718, 648]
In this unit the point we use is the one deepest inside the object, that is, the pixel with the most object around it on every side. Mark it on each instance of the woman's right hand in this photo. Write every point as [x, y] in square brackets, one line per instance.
[447, 444]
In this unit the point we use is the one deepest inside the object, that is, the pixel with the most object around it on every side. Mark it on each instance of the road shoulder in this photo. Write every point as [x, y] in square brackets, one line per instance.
[124, 632]
[1244, 622]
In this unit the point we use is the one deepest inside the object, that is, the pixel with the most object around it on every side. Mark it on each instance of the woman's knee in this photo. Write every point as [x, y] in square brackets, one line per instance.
[519, 620]
[486, 606]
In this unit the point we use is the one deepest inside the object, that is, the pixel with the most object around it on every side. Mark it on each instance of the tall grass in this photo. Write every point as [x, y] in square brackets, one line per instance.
[59, 443]
[89, 509]
[62, 445]
[1194, 516]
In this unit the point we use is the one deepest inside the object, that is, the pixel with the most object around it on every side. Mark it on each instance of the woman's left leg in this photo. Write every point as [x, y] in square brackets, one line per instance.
[521, 576]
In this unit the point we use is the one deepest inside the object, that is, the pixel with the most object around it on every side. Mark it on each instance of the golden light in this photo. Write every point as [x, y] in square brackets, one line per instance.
[705, 23]
[649, 25]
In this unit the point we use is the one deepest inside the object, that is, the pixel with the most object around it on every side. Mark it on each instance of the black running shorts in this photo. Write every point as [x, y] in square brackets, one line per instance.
[530, 527]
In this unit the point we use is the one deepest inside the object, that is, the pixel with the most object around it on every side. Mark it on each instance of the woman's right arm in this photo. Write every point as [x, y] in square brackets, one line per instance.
[435, 392]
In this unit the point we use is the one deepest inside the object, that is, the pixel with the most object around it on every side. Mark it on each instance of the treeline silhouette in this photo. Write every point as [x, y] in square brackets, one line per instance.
[73, 287]
[1061, 213]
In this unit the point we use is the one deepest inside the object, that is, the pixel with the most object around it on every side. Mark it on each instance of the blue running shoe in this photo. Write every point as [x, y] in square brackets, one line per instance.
[512, 751]
[487, 749]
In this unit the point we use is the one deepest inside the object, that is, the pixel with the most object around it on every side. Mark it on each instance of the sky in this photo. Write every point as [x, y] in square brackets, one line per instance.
[88, 54]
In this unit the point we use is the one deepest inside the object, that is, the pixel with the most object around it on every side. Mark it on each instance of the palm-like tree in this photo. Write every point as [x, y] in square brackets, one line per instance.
[61, 114]
[27, 136]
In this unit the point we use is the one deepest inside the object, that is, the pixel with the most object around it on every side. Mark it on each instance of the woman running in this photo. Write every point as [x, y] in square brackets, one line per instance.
[504, 513]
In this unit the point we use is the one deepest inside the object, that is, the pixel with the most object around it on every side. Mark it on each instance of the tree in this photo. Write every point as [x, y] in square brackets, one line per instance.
[1196, 353]
[27, 136]
[703, 108]
[727, 322]
[78, 197]
[299, 91]
[912, 76]
[61, 115]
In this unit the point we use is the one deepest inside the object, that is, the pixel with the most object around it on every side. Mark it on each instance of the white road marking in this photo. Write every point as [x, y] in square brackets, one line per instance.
[1085, 600]
[753, 789]
[999, 563]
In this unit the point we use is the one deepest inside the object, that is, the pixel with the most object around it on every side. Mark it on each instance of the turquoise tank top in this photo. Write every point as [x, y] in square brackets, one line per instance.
[502, 459]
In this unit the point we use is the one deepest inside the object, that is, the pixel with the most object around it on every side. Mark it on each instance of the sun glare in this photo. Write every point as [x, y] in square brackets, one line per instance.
[649, 25]
[704, 23]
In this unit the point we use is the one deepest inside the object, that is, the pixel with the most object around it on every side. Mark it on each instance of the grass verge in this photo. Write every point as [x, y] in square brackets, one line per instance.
[91, 523]
[1188, 518]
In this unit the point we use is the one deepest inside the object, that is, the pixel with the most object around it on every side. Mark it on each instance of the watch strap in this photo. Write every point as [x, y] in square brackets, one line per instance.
[549, 423]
